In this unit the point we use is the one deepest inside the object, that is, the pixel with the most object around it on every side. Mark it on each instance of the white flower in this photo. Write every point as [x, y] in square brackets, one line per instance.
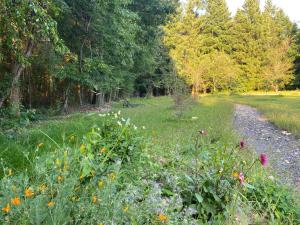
[119, 112]
[119, 123]
[123, 119]
[116, 115]
[135, 127]
[271, 178]
[143, 127]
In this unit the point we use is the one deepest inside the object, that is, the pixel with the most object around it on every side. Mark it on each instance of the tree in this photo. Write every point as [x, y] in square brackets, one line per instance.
[25, 24]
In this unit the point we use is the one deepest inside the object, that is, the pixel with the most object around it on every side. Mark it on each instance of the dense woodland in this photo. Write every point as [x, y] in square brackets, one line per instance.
[57, 53]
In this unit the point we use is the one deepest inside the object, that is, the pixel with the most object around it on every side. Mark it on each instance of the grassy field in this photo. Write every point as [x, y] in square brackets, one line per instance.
[282, 109]
[177, 170]
[157, 115]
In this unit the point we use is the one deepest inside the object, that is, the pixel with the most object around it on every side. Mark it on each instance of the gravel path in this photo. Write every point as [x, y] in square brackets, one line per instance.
[282, 147]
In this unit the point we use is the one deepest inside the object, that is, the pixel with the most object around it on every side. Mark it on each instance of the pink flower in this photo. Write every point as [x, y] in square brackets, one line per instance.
[242, 144]
[263, 159]
[242, 178]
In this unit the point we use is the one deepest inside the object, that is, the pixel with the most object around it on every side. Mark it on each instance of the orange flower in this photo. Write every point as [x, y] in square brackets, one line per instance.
[50, 204]
[16, 201]
[28, 193]
[235, 174]
[163, 218]
[95, 199]
[6, 209]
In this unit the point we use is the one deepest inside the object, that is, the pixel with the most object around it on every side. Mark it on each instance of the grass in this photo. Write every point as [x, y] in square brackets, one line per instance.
[200, 175]
[157, 115]
[283, 110]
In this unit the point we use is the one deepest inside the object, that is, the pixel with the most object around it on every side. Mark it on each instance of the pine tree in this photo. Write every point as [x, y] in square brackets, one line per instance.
[248, 48]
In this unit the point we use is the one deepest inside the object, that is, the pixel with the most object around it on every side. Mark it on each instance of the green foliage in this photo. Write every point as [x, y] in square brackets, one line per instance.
[214, 52]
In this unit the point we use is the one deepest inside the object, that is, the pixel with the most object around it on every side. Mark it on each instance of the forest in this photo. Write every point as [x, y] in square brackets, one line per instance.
[149, 112]
[56, 54]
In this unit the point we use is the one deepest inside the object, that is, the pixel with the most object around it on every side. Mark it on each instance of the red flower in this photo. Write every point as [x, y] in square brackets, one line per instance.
[242, 178]
[242, 144]
[263, 159]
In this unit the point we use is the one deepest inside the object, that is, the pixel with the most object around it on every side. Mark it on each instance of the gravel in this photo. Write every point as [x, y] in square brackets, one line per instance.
[282, 147]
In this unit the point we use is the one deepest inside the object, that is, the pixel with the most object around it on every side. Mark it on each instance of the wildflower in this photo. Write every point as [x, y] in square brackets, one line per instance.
[112, 176]
[82, 148]
[119, 123]
[103, 150]
[72, 138]
[116, 115]
[28, 193]
[40, 145]
[271, 178]
[163, 218]
[242, 178]
[235, 174]
[125, 209]
[59, 178]
[203, 132]
[242, 144]
[101, 184]
[100, 223]
[6, 209]
[95, 199]
[10, 172]
[16, 201]
[43, 187]
[51, 204]
[135, 127]
[263, 159]
[143, 127]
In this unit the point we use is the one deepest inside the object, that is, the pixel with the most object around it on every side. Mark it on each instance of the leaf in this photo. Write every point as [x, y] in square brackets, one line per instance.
[199, 198]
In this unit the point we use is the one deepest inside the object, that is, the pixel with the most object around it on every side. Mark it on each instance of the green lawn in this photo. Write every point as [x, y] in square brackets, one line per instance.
[283, 110]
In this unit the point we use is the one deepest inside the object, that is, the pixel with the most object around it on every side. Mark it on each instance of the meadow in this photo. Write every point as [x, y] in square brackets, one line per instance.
[151, 164]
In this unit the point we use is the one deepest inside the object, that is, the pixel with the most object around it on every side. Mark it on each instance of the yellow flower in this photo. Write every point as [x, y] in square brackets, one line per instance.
[59, 178]
[40, 145]
[235, 174]
[125, 209]
[10, 172]
[6, 209]
[28, 193]
[72, 138]
[101, 184]
[112, 176]
[103, 150]
[43, 187]
[16, 201]
[95, 199]
[163, 218]
[100, 223]
[82, 148]
[50, 204]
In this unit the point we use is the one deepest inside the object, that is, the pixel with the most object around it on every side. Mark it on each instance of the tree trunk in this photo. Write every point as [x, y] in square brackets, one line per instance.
[14, 100]
[66, 100]
[16, 70]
